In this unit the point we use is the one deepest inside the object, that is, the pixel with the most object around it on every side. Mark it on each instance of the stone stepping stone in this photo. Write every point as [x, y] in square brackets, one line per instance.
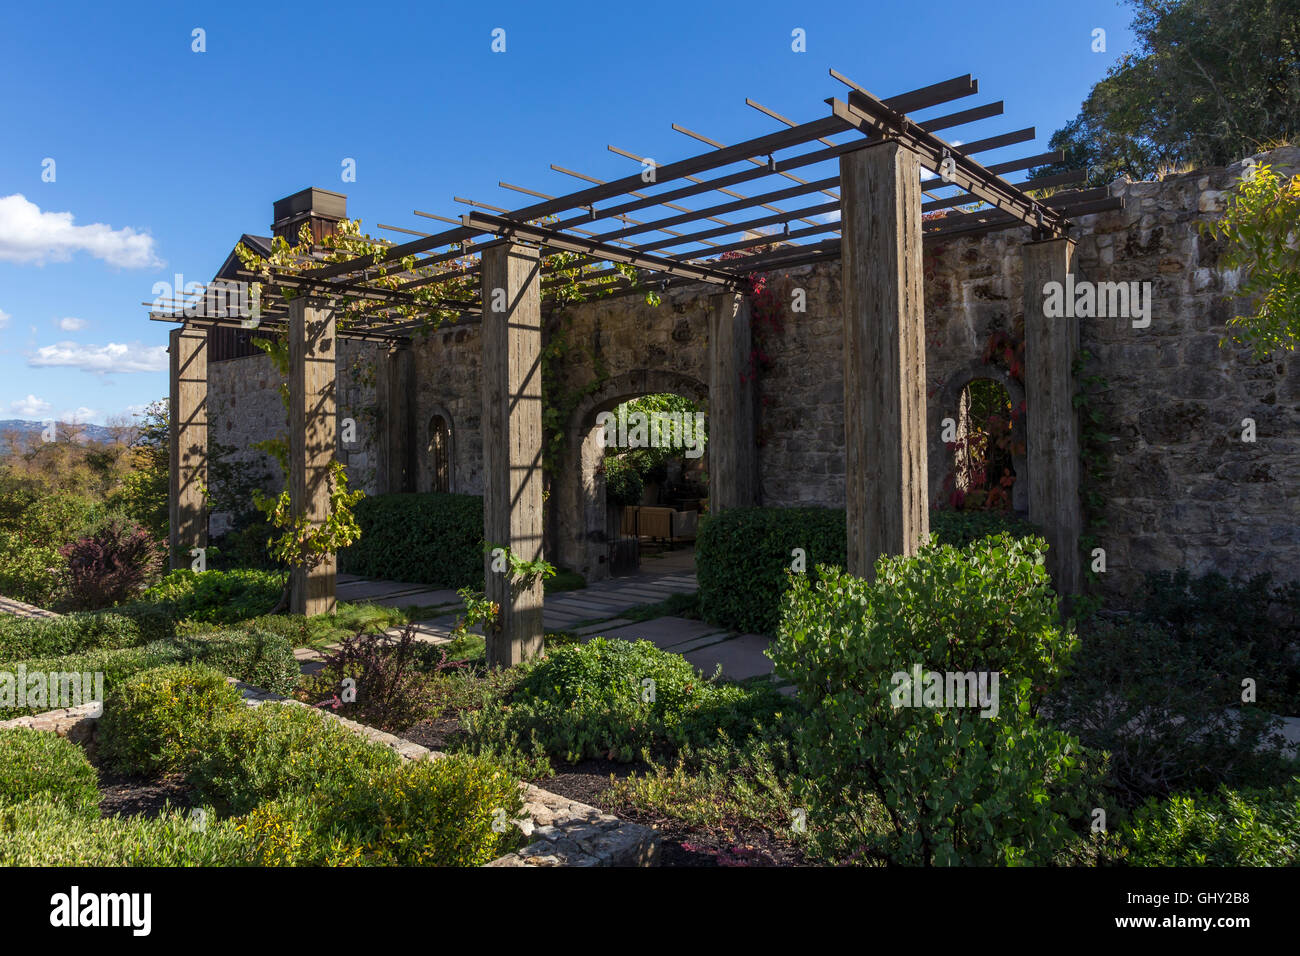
[666, 633]
[741, 657]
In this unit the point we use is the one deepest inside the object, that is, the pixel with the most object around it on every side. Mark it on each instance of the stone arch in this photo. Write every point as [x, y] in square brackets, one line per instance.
[946, 405]
[577, 513]
[437, 440]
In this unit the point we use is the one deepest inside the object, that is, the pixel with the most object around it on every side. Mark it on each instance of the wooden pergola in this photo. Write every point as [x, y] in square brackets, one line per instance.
[882, 172]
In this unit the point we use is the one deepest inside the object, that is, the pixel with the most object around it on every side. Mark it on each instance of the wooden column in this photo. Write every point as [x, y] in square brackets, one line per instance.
[399, 420]
[188, 443]
[733, 458]
[884, 355]
[1051, 424]
[512, 442]
[313, 439]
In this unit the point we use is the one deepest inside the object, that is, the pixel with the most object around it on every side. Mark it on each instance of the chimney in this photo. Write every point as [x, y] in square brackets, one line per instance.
[319, 207]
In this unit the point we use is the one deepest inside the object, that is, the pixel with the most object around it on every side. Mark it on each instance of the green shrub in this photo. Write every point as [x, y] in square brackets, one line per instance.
[162, 719]
[593, 700]
[960, 528]
[421, 813]
[217, 597]
[255, 657]
[431, 538]
[49, 833]
[955, 787]
[274, 751]
[1169, 715]
[623, 482]
[39, 763]
[155, 622]
[1213, 615]
[116, 666]
[1229, 828]
[22, 637]
[742, 555]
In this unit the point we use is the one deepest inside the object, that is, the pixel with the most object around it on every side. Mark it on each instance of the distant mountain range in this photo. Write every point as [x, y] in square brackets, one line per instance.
[90, 432]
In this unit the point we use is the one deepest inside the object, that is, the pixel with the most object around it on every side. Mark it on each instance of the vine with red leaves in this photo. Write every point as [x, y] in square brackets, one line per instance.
[990, 443]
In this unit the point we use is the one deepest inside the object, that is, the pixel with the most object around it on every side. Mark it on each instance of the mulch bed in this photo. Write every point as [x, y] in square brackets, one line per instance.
[133, 796]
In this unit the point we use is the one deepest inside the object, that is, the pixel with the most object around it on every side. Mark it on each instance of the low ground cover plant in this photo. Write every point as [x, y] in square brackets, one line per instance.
[46, 832]
[22, 637]
[1248, 827]
[217, 597]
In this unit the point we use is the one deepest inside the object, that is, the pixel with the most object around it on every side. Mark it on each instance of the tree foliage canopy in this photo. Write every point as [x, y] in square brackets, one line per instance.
[1209, 82]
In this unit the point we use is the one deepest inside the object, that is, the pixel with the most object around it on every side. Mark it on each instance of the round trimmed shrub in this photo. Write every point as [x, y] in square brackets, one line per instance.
[420, 813]
[162, 719]
[40, 763]
[264, 753]
[613, 698]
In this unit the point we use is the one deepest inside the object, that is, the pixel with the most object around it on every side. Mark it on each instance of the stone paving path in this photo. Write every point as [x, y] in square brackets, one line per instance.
[19, 609]
[594, 611]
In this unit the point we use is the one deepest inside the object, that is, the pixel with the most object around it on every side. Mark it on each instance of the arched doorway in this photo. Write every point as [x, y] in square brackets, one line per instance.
[579, 507]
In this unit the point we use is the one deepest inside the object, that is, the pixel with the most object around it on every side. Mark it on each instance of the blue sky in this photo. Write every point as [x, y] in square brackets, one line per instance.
[164, 156]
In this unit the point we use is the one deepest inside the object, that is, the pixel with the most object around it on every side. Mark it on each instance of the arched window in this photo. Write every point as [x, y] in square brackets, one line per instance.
[439, 452]
[985, 448]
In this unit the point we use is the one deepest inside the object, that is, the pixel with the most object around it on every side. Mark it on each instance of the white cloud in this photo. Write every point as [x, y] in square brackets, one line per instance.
[4, 318]
[30, 407]
[70, 324]
[113, 357]
[29, 235]
[81, 415]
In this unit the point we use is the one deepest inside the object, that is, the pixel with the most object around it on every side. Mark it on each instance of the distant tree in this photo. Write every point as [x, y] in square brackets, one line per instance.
[1210, 81]
[143, 492]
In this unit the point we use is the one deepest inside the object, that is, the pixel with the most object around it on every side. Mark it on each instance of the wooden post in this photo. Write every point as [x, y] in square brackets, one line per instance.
[313, 440]
[1051, 425]
[512, 443]
[399, 422]
[733, 460]
[884, 355]
[187, 426]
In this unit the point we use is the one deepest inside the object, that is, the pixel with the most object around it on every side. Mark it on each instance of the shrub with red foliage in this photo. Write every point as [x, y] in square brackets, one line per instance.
[116, 561]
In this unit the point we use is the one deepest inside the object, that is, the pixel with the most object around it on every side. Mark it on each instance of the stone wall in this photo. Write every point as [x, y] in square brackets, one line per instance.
[1184, 490]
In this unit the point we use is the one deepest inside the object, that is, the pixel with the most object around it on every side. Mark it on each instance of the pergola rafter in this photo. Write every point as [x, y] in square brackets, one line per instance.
[894, 183]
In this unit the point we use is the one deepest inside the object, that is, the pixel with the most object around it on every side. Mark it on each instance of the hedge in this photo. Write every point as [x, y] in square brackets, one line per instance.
[38, 763]
[22, 637]
[44, 832]
[260, 658]
[429, 538]
[742, 555]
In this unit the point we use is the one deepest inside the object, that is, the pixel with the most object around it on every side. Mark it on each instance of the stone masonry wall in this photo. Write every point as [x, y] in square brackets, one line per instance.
[1185, 491]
